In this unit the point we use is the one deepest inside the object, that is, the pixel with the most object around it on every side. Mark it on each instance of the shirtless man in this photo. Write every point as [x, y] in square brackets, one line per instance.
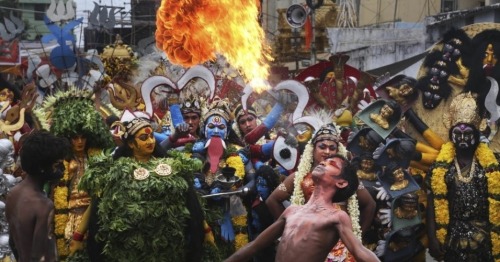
[28, 210]
[310, 231]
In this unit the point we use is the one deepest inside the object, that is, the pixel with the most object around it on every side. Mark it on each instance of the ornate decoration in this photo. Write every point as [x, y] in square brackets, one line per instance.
[163, 170]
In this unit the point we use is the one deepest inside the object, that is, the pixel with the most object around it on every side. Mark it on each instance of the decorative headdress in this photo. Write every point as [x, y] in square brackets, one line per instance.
[73, 112]
[463, 110]
[133, 126]
[191, 105]
[219, 107]
[326, 132]
[238, 111]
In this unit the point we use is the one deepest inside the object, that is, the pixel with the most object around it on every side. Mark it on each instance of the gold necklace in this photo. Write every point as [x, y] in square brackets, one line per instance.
[468, 178]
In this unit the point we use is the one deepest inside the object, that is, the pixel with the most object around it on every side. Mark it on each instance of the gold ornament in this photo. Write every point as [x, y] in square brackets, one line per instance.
[163, 170]
[463, 110]
[141, 173]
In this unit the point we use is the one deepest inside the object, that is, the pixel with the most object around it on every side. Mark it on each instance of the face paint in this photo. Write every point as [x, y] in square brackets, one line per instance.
[463, 136]
[216, 126]
[262, 187]
[144, 141]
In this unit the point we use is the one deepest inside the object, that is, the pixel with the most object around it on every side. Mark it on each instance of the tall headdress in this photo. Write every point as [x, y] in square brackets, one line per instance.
[219, 107]
[73, 112]
[463, 110]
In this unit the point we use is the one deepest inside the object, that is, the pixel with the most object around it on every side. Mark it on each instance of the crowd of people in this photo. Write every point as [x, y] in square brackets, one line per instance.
[190, 175]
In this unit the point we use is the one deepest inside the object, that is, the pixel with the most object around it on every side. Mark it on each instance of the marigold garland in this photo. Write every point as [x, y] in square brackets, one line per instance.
[60, 196]
[60, 224]
[241, 239]
[62, 247]
[237, 163]
[488, 161]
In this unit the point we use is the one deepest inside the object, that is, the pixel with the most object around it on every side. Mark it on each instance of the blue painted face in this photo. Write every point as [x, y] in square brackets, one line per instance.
[262, 187]
[197, 183]
[216, 126]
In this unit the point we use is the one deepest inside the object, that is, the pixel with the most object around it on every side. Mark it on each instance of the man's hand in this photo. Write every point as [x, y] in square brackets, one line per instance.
[181, 130]
[75, 246]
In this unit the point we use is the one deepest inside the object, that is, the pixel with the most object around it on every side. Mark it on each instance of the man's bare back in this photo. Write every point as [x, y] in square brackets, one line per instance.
[29, 214]
[310, 233]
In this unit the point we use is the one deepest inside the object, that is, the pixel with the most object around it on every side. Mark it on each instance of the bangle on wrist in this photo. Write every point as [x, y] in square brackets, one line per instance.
[77, 236]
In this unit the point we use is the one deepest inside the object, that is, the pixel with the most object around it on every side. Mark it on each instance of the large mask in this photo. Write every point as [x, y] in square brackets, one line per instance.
[462, 136]
[216, 126]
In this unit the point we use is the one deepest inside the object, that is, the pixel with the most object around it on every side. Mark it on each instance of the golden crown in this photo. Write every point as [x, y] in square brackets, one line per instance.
[463, 110]
[220, 107]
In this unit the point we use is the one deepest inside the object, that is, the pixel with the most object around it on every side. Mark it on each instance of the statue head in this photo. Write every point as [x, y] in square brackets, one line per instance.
[6, 153]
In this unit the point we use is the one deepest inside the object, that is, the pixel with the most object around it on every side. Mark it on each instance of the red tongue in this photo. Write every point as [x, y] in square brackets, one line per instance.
[215, 151]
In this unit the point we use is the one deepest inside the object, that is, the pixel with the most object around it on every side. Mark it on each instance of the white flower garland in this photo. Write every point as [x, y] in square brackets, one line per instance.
[304, 167]
[353, 210]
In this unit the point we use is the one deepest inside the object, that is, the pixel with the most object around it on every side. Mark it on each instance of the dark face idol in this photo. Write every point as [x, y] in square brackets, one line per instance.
[462, 136]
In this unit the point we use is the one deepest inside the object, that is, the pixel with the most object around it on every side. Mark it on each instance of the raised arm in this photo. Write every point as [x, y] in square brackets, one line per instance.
[283, 192]
[360, 253]
[265, 239]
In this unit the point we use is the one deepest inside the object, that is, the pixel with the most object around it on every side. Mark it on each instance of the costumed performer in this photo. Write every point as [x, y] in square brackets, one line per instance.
[73, 115]
[144, 207]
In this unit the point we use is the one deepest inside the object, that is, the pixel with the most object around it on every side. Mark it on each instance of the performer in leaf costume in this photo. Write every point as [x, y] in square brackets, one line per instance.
[144, 207]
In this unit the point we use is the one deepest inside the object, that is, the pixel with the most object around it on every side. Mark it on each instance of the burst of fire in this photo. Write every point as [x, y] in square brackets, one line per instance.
[192, 32]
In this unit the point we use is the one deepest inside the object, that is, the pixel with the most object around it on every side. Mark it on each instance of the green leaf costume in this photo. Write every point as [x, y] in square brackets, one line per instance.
[142, 220]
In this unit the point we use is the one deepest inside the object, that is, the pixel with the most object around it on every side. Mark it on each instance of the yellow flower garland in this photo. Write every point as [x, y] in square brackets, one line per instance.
[488, 161]
[239, 222]
[61, 207]
[237, 163]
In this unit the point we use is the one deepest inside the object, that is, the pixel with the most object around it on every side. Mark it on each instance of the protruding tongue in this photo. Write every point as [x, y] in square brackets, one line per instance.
[215, 151]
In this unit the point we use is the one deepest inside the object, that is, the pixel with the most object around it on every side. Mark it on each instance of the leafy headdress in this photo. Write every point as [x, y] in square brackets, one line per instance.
[72, 112]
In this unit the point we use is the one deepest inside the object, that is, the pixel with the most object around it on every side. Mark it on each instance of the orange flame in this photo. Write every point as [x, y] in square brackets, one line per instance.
[192, 32]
